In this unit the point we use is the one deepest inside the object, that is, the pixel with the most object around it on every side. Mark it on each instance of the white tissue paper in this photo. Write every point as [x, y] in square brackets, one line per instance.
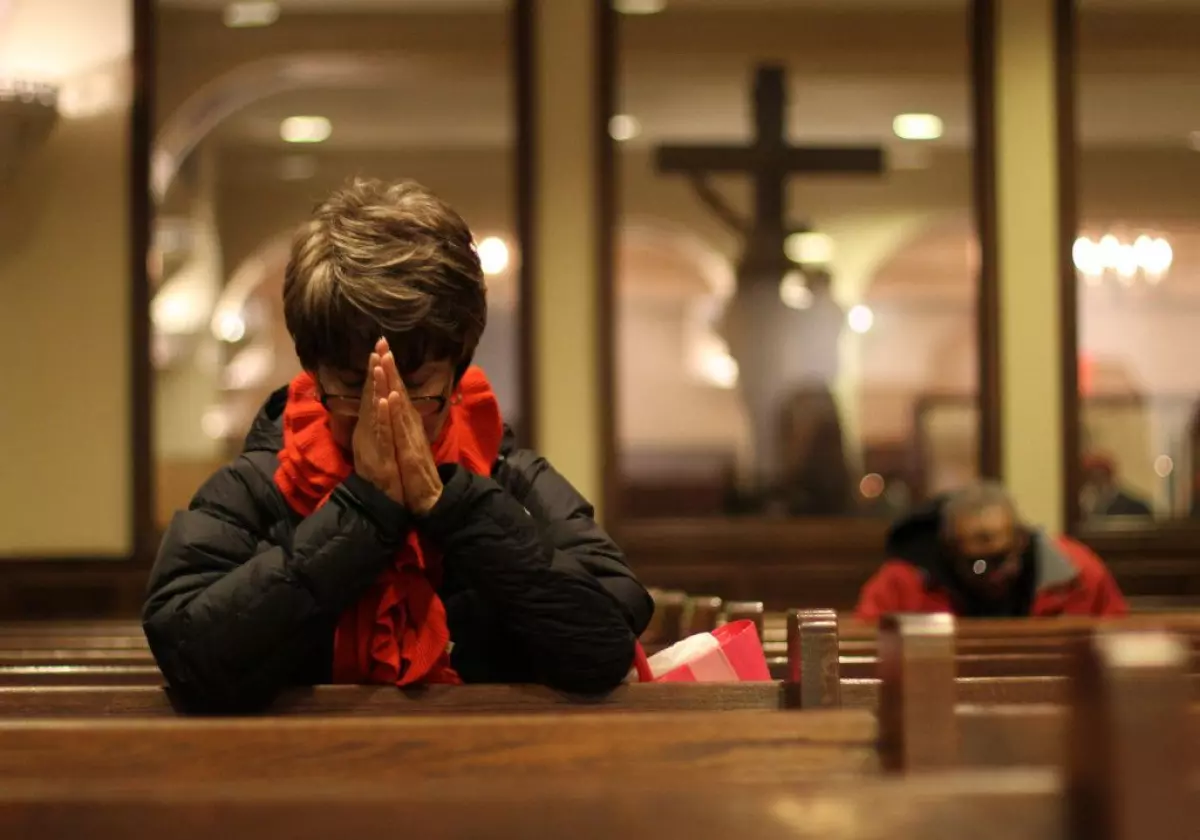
[680, 653]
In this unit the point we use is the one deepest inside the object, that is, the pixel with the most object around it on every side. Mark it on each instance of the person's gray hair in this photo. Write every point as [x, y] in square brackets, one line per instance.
[972, 499]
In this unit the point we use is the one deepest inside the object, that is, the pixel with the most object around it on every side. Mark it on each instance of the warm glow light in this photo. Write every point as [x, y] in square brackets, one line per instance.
[917, 126]
[305, 130]
[251, 13]
[1127, 264]
[1163, 466]
[794, 291]
[871, 486]
[1152, 256]
[1086, 256]
[1159, 258]
[860, 318]
[229, 326]
[1110, 250]
[493, 255]
[173, 312]
[624, 127]
[215, 423]
[639, 7]
[721, 370]
[809, 248]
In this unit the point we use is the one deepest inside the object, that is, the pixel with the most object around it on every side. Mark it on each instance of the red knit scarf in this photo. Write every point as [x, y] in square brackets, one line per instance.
[397, 633]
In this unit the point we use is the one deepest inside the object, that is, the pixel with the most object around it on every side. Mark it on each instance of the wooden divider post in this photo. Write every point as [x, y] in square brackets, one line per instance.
[917, 727]
[814, 677]
[702, 614]
[1128, 762]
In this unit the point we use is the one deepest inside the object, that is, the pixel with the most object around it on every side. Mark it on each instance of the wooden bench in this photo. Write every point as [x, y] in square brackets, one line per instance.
[986, 723]
[1125, 774]
[814, 660]
[816, 668]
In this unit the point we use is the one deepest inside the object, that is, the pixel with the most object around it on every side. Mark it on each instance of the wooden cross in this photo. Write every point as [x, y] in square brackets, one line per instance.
[770, 160]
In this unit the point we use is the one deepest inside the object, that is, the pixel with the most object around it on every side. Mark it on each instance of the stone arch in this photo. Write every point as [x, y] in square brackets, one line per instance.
[225, 95]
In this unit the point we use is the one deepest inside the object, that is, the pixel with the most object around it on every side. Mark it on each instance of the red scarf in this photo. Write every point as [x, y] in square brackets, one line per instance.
[397, 633]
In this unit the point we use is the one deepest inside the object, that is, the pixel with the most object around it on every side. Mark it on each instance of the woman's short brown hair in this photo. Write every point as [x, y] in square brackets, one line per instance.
[384, 259]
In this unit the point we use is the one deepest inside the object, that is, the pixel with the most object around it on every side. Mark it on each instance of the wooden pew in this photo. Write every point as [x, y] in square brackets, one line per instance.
[992, 735]
[722, 745]
[595, 806]
[762, 774]
[72, 653]
[814, 662]
[79, 675]
[822, 645]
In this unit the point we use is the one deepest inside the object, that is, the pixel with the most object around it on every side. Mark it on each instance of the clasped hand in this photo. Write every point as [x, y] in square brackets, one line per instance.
[391, 449]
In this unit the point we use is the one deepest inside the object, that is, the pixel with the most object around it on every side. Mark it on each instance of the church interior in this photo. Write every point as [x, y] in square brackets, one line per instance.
[762, 276]
[887, 305]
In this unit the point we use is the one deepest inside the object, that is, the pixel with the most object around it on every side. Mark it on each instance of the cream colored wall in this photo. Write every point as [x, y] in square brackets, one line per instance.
[1027, 221]
[64, 336]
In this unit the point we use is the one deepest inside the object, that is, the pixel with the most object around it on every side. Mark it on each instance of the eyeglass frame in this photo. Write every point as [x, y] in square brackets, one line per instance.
[439, 400]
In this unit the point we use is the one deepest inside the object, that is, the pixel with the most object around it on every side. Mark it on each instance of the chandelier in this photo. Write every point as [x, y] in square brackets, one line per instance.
[1146, 259]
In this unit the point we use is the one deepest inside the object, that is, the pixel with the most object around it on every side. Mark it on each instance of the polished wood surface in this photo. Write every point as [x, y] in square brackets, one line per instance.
[701, 746]
[996, 806]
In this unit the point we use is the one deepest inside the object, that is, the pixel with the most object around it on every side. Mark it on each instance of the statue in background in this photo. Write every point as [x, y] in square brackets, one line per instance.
[782, 326]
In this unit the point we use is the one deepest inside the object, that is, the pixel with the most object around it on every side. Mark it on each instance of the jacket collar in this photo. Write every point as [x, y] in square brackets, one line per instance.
[1054, 568]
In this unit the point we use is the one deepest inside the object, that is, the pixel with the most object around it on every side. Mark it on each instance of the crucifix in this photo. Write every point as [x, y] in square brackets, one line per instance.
[782, 349]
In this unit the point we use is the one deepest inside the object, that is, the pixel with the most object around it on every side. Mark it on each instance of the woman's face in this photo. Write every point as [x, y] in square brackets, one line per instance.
[428, 389]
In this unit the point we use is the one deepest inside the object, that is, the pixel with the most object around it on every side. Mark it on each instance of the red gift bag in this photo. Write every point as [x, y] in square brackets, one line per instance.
[738, 657]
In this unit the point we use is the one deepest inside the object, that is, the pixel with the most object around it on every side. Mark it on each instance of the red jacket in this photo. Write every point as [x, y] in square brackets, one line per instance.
[1071, 580]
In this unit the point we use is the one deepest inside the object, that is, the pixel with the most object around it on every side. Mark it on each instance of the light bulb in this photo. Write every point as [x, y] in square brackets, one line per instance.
[860, 318]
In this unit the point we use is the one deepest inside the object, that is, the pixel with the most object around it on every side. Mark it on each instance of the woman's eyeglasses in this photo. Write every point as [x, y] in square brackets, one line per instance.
[345, 406]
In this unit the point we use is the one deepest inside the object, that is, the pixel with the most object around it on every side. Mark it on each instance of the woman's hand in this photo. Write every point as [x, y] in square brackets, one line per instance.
[373, 440]
[418, 475]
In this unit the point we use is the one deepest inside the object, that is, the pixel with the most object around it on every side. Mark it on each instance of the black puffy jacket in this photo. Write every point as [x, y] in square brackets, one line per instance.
[245, 595]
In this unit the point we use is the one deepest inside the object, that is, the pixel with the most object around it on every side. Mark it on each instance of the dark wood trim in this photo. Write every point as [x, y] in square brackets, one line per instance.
[524, 69]
[605, 188]
[983, 105]
[141, 217]
[60, 587]
[1065, 30]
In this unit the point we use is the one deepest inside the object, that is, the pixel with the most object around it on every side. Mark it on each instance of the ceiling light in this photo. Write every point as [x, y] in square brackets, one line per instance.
[809, 248]
[305, 129]
[917, 126]
[623, 127]
[860, 318]
[493, 255]
[251, 13]
[639, 7]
